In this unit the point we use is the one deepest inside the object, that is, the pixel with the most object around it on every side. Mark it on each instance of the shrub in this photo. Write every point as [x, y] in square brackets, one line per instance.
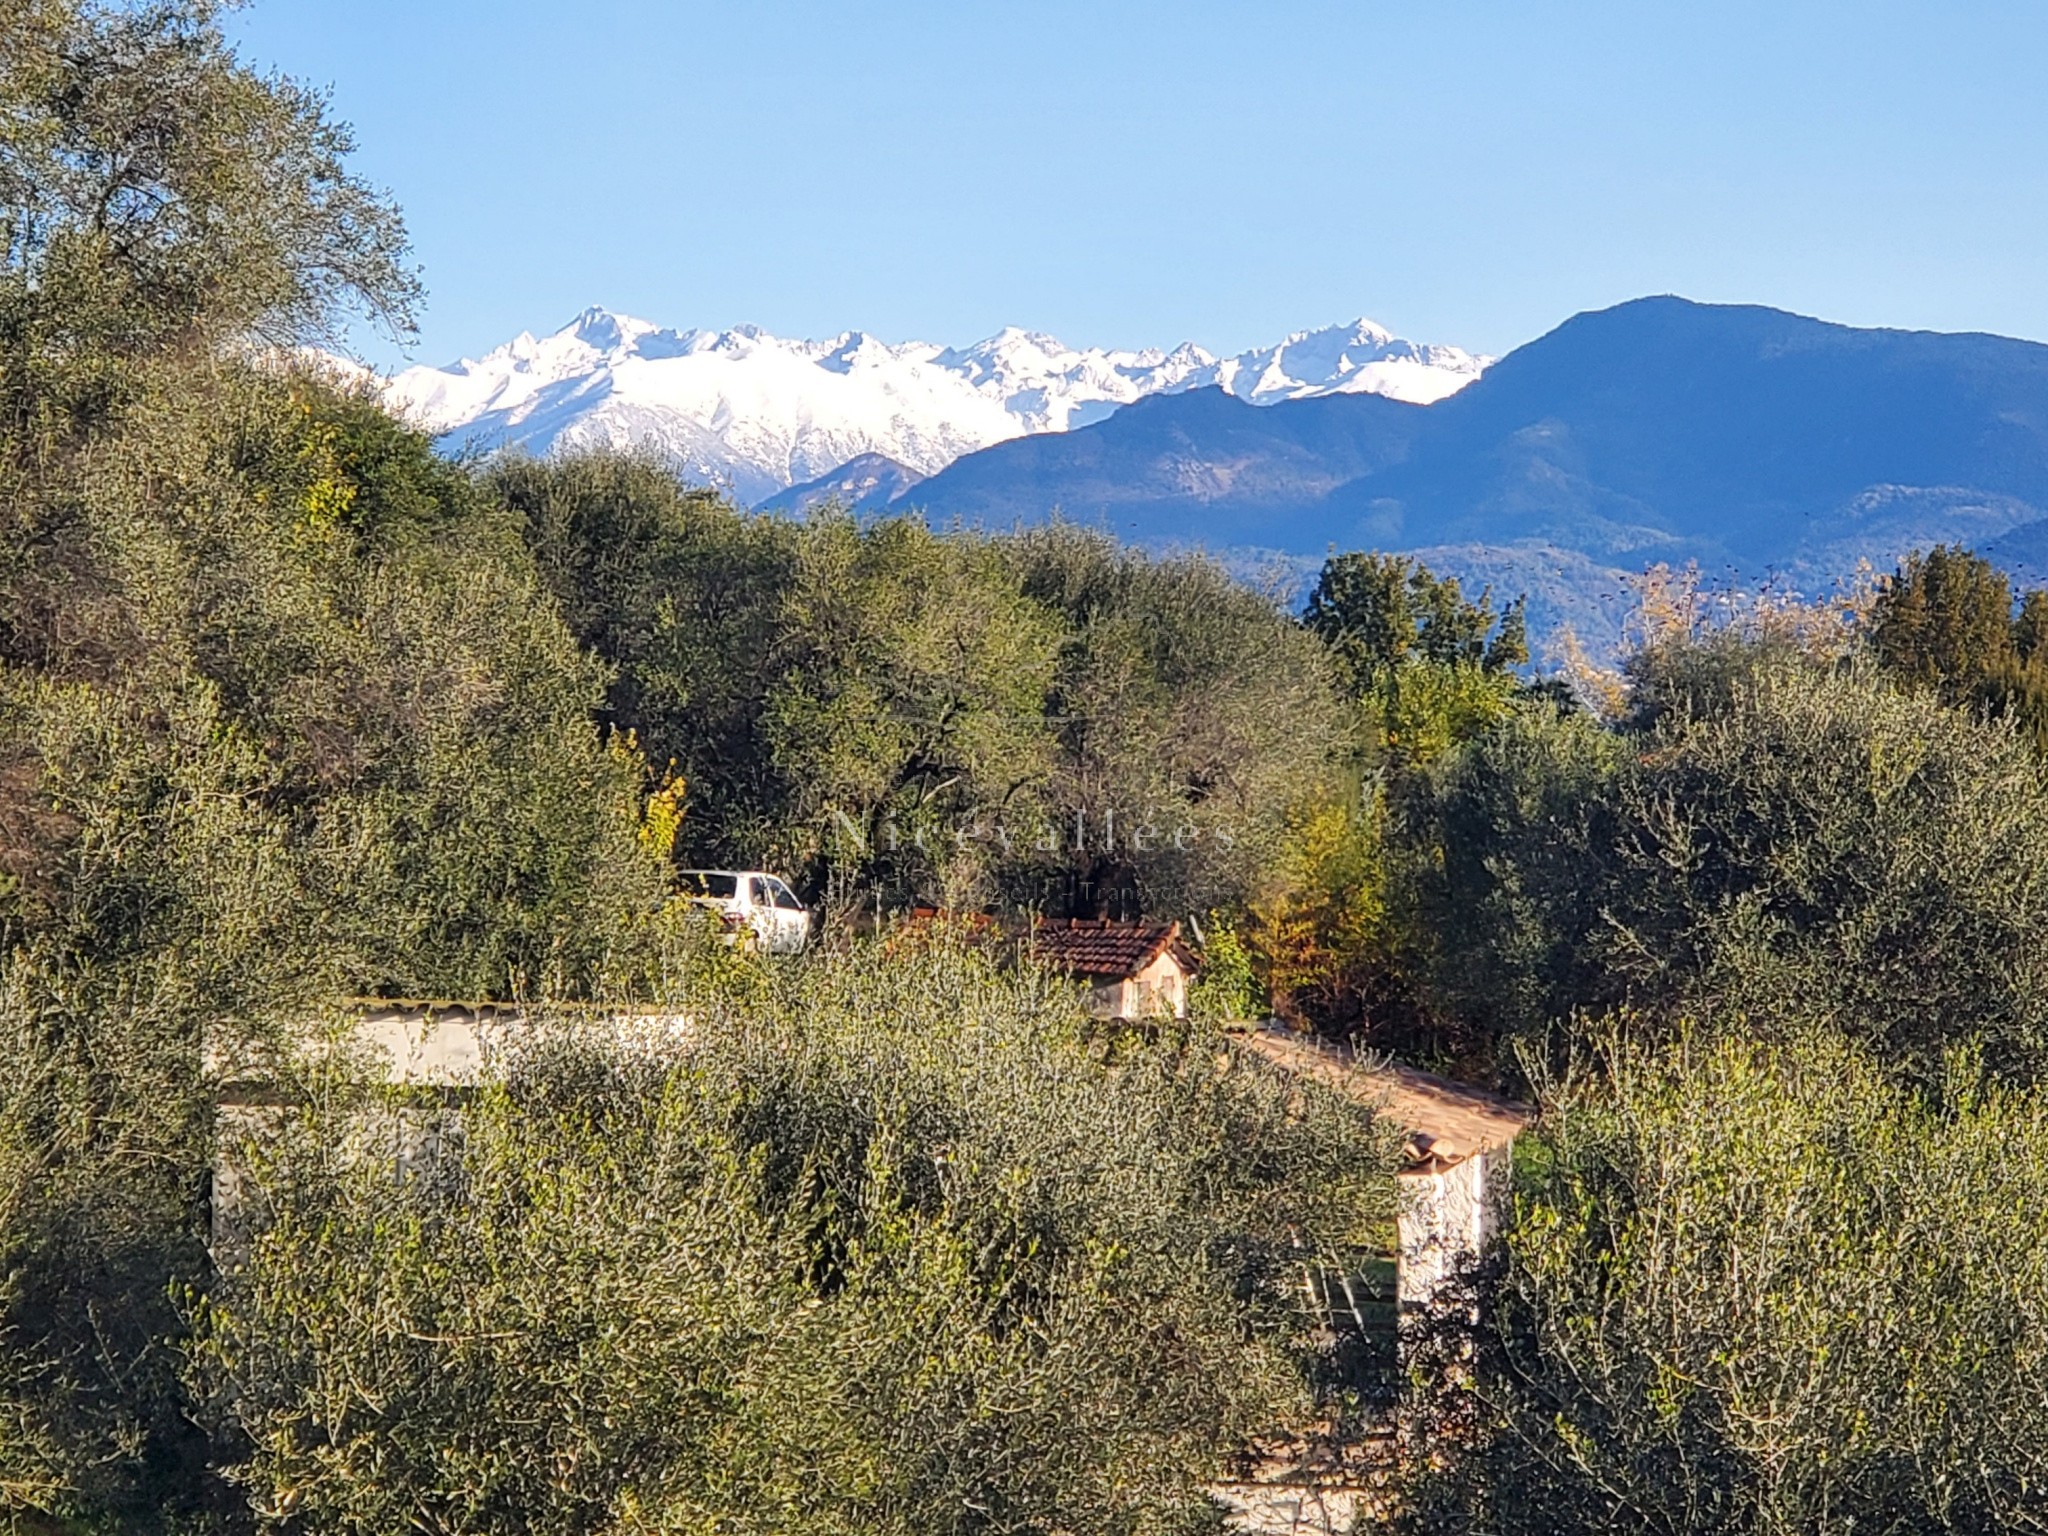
[1819, 836]
[1760, 1288]
[1226, 989]
[890, 1248]
[1876, 856]
[1509, 912]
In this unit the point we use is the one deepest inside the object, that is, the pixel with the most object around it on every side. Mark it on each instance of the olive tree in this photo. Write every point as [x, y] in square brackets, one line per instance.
[908, 710]
[681, 595]
[889, 1245]
[1191, 715]
[158, 196]
[1757, 1288]
[1815, 834]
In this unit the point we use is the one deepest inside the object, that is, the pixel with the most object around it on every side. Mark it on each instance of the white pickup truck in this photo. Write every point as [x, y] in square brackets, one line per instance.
[751, 901]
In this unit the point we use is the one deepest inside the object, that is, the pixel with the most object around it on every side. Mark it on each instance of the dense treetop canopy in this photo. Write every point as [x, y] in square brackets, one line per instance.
[1375, 611]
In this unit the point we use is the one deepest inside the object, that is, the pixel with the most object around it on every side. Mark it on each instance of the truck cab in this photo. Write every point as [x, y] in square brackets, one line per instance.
[751, 903]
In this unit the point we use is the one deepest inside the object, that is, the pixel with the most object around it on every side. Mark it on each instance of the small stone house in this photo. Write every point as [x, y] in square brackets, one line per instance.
[1454, 1198]
[1133, 970]
[1456, 1160]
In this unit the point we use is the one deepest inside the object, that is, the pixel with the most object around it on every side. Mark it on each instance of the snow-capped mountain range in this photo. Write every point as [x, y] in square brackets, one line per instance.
[757, 413]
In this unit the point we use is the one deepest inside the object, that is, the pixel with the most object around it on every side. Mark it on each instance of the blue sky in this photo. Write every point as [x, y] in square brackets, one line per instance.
[1134, 173]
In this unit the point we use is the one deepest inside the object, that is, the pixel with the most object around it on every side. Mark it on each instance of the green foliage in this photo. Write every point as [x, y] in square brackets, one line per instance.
[1510, 913]
[371, 629]
[1411, 714]
[946, 717]
[680, 594]
[909, 712]
[1320, 932]
[1226, 989]
[893, 1249]
[159, 197]
[283, 716]
[148, 898]
[1682, 678]
[190, 559]
[1945, 622]
[292, 708]
[1692, 644]
[1760, 1288]
[1335, 926]
[1376, 612]
[1878, 856]
[1190, 716]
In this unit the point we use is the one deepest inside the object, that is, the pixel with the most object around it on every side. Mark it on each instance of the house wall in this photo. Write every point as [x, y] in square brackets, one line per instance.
[1162, 987]
[443, 1052]
[1297, 1509]
[407, 1140]
[1447, 1220]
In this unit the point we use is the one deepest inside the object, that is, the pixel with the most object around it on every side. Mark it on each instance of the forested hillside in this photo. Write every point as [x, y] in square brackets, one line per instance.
[295, 712]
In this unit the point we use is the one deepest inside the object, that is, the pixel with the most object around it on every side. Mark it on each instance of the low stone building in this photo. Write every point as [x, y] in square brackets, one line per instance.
[432, 1055]
[1454, 1200]
[1455, 1178]
[1133, 970]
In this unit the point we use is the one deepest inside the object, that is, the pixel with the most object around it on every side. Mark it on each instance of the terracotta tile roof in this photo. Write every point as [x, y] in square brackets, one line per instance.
[1099, 947]
[1446, 1121]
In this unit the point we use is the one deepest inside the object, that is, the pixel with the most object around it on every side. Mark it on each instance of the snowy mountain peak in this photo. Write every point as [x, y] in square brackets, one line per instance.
[758, 413]
[1359, 358]
[603, 331]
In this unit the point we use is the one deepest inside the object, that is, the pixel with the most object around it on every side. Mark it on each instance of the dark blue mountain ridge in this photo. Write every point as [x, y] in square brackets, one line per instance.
[1743, 429]
[1753, 441]
[1200, 466]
